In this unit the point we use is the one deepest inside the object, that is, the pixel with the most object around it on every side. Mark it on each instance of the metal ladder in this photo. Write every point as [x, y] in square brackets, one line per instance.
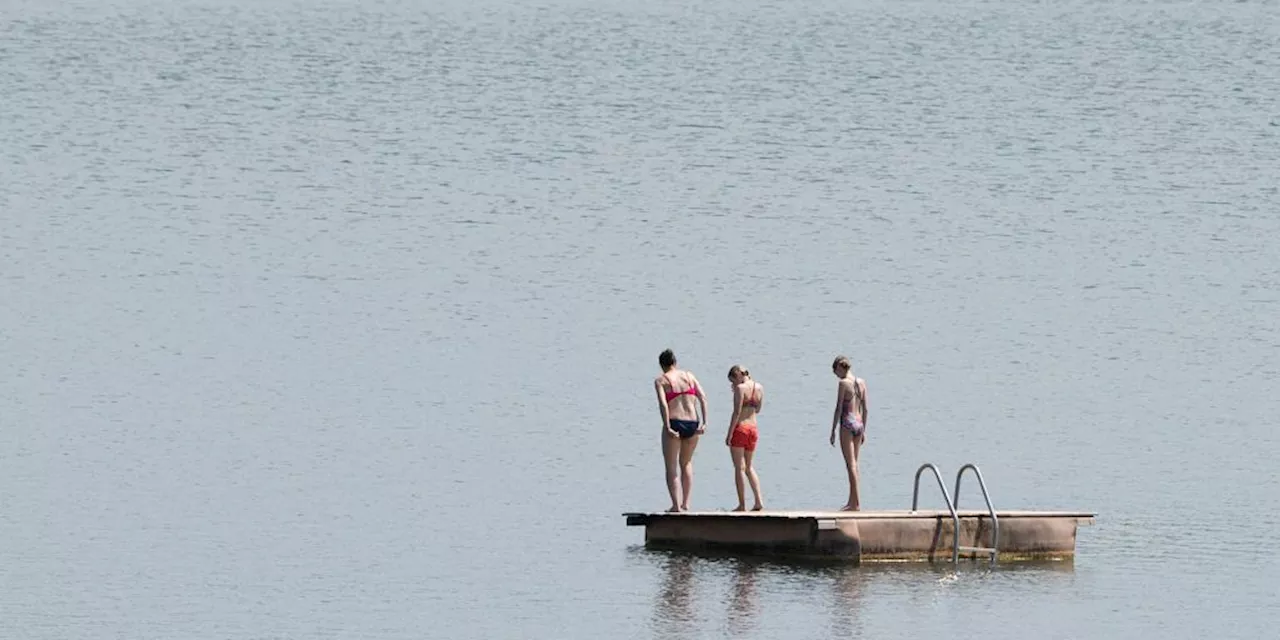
[994, 549]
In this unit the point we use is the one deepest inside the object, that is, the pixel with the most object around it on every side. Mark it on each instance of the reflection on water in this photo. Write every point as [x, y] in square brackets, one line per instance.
[848, 586]
[696, 587]
[743, 605]
[691, 581]
[673, 608]
[678, 603]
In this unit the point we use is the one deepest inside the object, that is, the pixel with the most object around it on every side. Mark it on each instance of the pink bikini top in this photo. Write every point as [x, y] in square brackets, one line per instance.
[692, 390]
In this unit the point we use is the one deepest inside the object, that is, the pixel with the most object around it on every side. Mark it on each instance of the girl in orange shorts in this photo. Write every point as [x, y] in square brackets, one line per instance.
[748, 398]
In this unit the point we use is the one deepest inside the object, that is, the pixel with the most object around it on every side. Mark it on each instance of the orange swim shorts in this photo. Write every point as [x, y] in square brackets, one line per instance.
[744, 435]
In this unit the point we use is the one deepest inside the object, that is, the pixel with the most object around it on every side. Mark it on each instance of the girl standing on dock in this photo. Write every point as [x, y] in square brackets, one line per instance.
[851, 419]
[748, 398]
[681, 426]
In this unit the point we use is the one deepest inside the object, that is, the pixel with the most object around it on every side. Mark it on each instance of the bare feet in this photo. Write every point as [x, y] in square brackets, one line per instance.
[673, 510]
[684, 507]
[758, 507]
[740, 508]
[849, 508]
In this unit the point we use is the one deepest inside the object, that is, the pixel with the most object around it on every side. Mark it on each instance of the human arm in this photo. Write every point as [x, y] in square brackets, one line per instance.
[663, 408]
[702, 400]
[835, 418]
[862, 396]
[733, 416]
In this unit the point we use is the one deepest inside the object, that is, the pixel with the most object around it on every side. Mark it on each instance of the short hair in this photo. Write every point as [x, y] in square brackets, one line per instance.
[666, 359]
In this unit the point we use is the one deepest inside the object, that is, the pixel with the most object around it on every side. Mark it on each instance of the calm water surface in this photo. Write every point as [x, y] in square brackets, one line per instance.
[338, 319]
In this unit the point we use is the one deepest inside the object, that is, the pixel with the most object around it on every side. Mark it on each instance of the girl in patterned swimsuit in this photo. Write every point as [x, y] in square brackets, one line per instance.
[851, 419]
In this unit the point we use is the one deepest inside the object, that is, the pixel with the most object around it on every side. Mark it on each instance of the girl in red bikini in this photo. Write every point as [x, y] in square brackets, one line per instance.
[748, 398]
[851, 419]
[681, 426]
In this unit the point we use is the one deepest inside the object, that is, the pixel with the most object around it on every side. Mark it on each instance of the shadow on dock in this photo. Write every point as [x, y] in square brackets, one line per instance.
[820, 564]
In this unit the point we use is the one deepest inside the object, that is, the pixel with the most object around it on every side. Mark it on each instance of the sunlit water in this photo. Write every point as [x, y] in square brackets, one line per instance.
[339, 319]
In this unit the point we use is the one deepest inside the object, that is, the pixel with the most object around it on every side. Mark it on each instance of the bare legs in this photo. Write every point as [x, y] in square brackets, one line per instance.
[850, 446]
[742, 473]
[755, 482]
[670, 458]
[686, 468]
[677, 454]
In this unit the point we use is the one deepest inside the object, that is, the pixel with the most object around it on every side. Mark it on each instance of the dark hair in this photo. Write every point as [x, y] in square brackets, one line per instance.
[736, 369]
[841, 361]
[666, 359]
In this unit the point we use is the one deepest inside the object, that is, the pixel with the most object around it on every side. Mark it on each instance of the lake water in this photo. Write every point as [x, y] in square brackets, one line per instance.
[339, 319]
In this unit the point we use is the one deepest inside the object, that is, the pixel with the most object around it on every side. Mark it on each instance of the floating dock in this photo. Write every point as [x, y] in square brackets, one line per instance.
[875, 536]
[868, 536]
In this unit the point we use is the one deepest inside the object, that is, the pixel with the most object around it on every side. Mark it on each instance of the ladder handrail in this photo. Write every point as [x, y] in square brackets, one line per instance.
[995, 522]
[955, 517]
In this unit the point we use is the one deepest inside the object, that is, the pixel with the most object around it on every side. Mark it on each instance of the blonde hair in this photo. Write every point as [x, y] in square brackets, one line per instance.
[842, 361]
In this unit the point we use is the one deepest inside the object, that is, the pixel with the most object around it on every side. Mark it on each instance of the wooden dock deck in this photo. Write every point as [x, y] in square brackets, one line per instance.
[866, 536]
